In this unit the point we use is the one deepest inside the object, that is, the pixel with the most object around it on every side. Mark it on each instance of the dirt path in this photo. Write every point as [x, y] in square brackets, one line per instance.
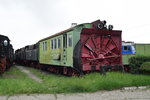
[30, 74]
[137, 94]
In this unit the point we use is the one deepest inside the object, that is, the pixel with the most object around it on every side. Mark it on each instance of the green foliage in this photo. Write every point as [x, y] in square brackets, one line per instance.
[136, 61]
[145, 66]
[16, 82]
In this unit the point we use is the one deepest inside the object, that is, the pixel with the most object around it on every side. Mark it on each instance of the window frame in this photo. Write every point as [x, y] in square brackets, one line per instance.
[44, 45]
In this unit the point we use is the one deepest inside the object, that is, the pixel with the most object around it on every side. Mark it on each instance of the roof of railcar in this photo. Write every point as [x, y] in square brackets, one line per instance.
[4, 37]
[62, 32]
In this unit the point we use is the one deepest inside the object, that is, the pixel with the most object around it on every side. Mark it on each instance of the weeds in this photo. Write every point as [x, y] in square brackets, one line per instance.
[16, 82]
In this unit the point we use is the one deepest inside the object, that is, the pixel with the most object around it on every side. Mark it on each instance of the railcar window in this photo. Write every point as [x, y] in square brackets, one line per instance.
[132, 48]
[44, 46]
[65, 41]
[127, 48]
[58, 42]
[70, 40]
[55, 44]
[52, 44]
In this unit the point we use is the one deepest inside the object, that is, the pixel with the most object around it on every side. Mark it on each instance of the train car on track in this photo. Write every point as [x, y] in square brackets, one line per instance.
[83, 48]
[6, 53]
[27, 55]
[130, 49]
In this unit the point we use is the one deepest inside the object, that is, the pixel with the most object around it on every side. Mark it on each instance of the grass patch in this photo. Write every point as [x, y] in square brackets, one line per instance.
[91, 82]
[16, 82]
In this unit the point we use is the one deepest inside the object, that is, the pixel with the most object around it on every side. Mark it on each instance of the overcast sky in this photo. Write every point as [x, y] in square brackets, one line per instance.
[28, 21]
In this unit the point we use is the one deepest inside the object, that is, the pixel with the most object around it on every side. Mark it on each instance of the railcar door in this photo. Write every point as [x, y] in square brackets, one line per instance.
[64, 55]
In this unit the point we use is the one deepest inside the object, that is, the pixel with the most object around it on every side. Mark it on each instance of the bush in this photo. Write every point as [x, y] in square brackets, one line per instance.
[145, 66]
[136, 61]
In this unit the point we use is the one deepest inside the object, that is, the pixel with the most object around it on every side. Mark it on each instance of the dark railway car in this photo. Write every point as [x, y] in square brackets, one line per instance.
[17, 56]
[32, 55]
[80, 49]
[6, 53]
[23, 55]
[20, 56]
[27, 55]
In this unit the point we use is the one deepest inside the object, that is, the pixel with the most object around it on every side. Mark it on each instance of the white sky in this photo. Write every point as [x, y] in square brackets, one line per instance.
[28, 21]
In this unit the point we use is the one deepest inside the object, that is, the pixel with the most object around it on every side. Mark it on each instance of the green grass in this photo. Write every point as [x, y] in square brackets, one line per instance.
[92, 82]
[16, 82]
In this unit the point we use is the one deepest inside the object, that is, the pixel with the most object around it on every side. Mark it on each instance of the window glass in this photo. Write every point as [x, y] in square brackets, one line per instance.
[129, 48]
[125, 48]
[65, 41]
[45, 46]
[70, 40]
[55, 44]
[58, 42]
[133, 49]
[52, 44]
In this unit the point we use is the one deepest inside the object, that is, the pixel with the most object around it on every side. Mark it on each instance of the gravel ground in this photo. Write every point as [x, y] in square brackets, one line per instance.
[30, 74]
[136, 94]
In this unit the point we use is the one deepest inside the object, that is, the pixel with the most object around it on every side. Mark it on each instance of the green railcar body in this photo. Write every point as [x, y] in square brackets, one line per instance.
[141, 49]
[58, 48]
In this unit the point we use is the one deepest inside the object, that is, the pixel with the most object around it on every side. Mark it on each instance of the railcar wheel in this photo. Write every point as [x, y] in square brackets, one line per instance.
[75, 73]
[70, 71]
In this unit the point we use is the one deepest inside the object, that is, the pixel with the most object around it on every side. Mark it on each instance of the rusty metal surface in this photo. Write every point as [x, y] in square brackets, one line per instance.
[100, 48]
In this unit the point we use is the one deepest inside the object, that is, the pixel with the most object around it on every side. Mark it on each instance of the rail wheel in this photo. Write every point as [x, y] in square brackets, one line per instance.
[70, 72]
